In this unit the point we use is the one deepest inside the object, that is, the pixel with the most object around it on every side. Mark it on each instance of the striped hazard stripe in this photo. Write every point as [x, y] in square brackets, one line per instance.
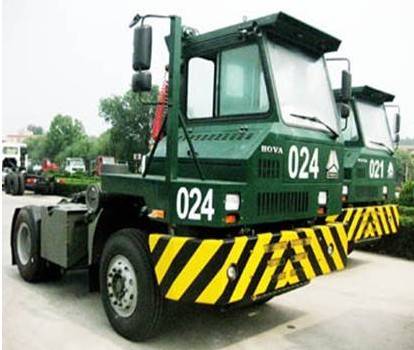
[366, 223]
[195, 270]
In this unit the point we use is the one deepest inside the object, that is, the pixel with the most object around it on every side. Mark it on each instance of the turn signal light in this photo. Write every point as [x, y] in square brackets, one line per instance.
[231, 219]
[157, 214]
[321, 211]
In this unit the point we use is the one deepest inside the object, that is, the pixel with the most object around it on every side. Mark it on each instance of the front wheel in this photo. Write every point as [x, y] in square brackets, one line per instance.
[129, 290]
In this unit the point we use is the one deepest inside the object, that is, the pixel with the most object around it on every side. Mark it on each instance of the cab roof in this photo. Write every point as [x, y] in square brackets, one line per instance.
[279, 26]
[372, 95]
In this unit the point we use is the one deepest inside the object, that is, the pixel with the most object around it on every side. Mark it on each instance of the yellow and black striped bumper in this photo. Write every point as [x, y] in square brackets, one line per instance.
[368, 223]
[196, 270]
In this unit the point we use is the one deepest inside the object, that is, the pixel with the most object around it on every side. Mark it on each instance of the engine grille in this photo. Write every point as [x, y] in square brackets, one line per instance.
[269, 169]
[360, 172]
[367, 191]
[273, 203]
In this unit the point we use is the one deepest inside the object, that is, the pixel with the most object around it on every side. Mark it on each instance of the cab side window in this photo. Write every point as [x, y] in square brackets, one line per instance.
[231, 83]
[349, 127]
[200, 88]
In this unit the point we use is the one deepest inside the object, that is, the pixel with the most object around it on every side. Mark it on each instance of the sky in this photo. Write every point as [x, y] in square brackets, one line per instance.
[63, 56]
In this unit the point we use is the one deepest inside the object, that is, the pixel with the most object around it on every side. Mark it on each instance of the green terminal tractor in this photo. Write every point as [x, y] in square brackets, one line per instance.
[369, 167]
[231, 208]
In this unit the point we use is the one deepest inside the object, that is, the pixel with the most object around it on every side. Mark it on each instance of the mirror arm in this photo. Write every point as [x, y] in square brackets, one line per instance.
[342, 59]
[346, 124]
[138, 18]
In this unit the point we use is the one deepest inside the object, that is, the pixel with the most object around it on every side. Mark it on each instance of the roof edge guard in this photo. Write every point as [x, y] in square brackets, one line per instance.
[370, 94]
[281, 28]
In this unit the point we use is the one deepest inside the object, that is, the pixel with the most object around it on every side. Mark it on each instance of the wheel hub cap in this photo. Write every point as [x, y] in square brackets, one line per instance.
[122, 286]
[24, 243]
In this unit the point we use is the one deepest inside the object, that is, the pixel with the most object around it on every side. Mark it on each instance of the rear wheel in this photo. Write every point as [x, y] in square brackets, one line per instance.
[129, 290]
[7, 184]
[21, 184]
[26, 249]
[14, 183]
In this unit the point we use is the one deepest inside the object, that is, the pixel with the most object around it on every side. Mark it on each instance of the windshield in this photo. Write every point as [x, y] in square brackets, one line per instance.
[10, 151]
[77, 162]
[374, 124]
[302, 87]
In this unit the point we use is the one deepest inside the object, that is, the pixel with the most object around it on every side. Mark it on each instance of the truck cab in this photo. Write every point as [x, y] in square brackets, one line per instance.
[75, 165]
[370, 169]
[259, 141]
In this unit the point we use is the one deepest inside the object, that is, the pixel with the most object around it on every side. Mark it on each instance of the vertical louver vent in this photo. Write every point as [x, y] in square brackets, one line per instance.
[274, 203]
[360, 172]
[367, 191]
[269, 168]
[348, 173]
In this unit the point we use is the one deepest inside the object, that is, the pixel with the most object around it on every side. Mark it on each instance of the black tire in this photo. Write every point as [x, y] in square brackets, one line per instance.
[7, 184]
[14, 183]
[145, 316]
[32, 267]
[21, 182]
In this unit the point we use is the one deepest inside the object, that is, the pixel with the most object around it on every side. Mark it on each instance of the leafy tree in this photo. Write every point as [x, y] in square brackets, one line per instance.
[405, 165]
[36, 148]
[130, 120]
[35, 129]
[63, 132]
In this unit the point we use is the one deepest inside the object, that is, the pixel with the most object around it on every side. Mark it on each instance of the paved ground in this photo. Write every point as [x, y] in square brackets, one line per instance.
[368, 306]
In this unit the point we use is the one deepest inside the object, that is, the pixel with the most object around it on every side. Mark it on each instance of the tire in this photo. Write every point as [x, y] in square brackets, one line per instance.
[21, 183]
[26, 249]
[14, 183]
[139, 315]
[7, 184]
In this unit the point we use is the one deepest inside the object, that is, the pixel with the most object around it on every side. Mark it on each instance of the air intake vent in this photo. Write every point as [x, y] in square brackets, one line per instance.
[348, 173]
[360, 172]
[367, 191]
[273, 203]
[269, 168]
[224, 136]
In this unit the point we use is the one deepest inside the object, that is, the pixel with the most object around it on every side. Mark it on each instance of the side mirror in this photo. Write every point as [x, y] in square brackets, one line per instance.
[142, 82]
[141, 58]
[344, 110]
[397, 123]
[346, 88]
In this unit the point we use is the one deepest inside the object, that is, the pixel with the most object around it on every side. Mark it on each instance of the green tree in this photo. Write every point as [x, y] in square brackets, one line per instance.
[36, 148]
[130, 119]
[405, 165]
[35, 129]
[63, 132]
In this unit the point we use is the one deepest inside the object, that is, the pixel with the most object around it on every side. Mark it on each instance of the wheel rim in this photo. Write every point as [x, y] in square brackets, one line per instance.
[122, 287]
[24, 243]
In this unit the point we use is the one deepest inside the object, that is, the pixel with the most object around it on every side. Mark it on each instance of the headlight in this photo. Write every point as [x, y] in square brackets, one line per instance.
[322, 198]
[345, 190]
[384, 190]
[232, 202]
